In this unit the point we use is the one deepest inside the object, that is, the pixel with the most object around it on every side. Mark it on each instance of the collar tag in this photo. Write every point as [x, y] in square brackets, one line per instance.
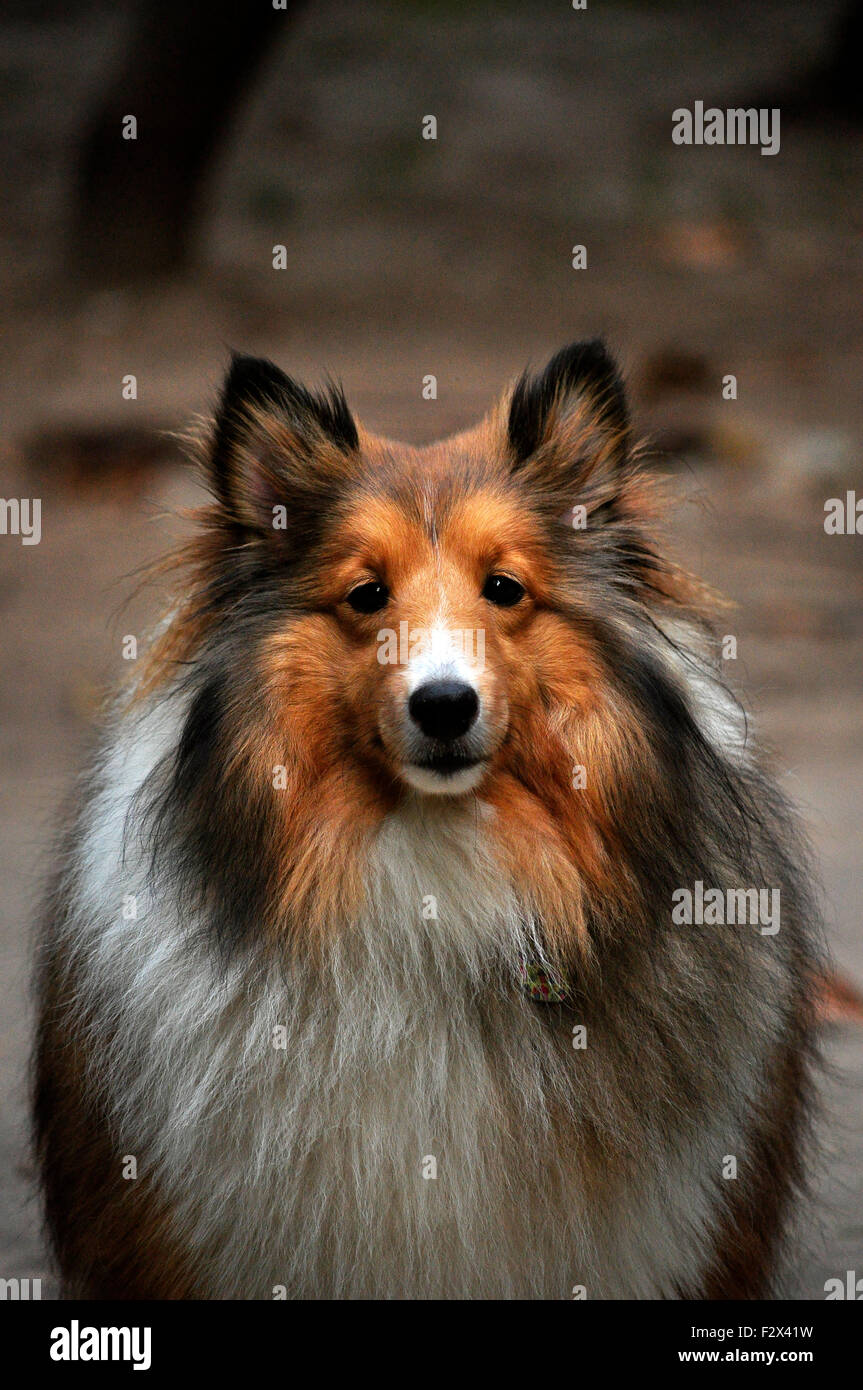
[540, 985]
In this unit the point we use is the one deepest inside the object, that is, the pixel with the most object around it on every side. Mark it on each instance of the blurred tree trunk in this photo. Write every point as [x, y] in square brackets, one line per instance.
[829, 89]
[184, 73]
[836, 86]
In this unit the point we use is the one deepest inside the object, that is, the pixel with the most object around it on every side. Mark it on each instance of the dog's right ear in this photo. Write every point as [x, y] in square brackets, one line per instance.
[279, 451]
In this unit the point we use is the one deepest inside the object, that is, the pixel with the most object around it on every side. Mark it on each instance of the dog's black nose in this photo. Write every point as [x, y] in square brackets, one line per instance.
[444, 709]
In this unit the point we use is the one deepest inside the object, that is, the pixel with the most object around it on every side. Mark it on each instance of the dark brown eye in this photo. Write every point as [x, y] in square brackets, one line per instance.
[369, 598]
[503, 590]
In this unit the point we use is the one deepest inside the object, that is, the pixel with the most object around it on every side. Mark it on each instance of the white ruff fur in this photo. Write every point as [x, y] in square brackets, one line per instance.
[303, 1167]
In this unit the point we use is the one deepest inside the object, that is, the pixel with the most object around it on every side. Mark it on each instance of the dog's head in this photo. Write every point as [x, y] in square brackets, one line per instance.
[418, 615]
[367, 622]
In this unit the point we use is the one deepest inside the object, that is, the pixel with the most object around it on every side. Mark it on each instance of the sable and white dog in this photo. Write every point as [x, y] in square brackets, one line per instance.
[372, 965]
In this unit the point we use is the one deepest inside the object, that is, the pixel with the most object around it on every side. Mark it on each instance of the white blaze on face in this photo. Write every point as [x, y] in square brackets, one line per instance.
[444, 653]
[440, 653]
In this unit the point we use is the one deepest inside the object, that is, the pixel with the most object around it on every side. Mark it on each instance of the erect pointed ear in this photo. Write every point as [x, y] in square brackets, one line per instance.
[570, 422]
[278, 445]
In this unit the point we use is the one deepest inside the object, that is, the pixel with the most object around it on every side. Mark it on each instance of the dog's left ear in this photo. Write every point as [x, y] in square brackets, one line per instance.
[570, 423]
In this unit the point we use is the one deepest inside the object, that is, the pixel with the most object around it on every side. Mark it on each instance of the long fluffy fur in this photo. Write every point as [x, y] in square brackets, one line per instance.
[281, 1035]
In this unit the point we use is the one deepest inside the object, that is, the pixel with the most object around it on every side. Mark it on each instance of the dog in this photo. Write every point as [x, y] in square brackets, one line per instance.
[362, 974]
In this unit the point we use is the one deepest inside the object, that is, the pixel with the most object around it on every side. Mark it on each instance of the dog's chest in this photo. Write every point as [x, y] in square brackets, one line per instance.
[388, 1125]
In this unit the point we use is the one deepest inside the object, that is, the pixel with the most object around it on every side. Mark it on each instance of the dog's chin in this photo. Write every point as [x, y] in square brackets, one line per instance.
[445, 776]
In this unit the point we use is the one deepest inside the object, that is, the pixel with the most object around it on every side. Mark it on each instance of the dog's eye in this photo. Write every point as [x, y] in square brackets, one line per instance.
[502, 590]
[369, 598]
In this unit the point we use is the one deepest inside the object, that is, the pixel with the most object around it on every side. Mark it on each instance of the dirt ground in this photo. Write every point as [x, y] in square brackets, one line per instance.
[453, 257]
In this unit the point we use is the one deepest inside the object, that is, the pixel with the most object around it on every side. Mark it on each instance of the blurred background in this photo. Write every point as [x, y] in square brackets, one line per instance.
[405, 257]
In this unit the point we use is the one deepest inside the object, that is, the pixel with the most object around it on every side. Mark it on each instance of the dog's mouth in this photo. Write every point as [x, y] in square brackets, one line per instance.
[447, 764]
[444, 771]
[438, 766]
